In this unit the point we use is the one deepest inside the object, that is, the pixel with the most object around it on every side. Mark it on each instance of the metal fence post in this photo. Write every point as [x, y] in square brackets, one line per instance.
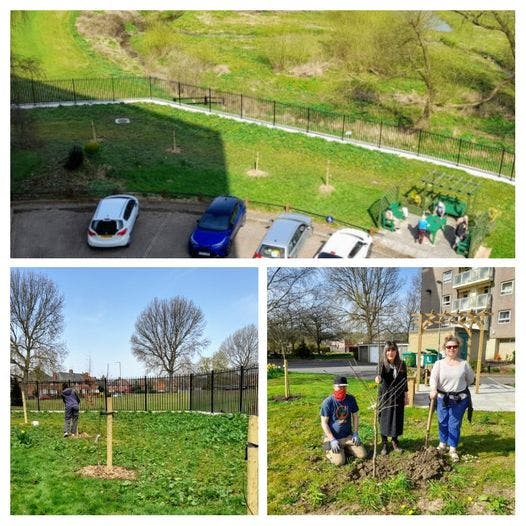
[241, 381]
[241, 104]
[273, 113]
[112, 89]
[33, 90]
[209, 100]
[38, 397]
[150, 85]
[459, 149]
[308, 119]
[343, 127]
[179, 92]
[212, 391]
[105, 394]
[501, 161]
[145, 393]
[74, 91]
[419, 142]
[190, 393]
[380, 135]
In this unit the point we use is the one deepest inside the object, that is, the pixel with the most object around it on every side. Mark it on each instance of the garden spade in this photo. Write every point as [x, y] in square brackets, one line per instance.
[429, 416]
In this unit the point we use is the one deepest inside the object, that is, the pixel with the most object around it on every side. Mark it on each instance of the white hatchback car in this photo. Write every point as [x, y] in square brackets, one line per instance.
[347, 243]
[113, 221]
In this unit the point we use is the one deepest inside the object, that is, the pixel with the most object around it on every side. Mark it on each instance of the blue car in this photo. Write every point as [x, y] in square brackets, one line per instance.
[217, 227]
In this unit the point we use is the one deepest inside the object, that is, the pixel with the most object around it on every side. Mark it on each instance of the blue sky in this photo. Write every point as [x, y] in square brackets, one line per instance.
[102, 305]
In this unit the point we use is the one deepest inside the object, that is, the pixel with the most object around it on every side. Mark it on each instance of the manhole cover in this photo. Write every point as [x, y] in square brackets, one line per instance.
[122, 120]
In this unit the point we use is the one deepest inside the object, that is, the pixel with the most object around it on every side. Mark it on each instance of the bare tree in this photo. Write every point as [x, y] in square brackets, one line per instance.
[241, 347]
[167, 334]
[408, 305]
[370, 292]
[36, 323]
[287, 285]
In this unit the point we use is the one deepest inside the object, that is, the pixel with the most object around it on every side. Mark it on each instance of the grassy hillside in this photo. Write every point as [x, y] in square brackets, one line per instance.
[213, 158]
[306, 57]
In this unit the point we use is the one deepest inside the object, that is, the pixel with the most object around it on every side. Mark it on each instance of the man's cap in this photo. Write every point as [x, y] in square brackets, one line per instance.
[340, 380]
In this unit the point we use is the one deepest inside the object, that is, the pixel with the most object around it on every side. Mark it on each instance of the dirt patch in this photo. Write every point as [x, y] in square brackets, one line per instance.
[424, 465]
[221, 69]
[310, 69]
[253, 172]
[103, 472]
[326, 189]
[81, 435]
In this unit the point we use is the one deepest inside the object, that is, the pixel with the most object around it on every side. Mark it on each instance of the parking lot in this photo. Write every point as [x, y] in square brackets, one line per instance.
[58, 230]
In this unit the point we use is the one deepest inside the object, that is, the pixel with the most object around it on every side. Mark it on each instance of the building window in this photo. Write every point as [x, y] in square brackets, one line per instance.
[446, 276]
[446, 301]
[506, 287]
[504, 316]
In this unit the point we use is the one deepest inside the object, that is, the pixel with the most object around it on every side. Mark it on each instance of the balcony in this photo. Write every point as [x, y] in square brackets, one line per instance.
[474, 276]
[478, 302]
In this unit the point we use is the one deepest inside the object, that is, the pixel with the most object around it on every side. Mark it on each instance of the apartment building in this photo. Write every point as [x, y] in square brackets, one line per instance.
[470, 290]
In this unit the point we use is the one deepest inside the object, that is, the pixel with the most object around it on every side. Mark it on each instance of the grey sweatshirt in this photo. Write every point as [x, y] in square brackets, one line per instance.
[451, 378]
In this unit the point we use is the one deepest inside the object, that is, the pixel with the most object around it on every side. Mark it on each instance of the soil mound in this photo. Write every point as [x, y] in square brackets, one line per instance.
[103, 472]
[419, 467]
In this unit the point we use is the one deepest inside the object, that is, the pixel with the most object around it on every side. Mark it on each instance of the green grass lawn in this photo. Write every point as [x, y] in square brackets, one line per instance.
[214, 159]
[302, 481]
[187, 463]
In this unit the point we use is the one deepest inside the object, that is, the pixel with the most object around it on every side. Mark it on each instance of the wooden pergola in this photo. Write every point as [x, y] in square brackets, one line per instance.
[466, 320]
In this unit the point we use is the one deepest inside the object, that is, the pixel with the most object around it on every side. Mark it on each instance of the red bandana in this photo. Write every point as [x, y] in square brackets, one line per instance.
[340, 394]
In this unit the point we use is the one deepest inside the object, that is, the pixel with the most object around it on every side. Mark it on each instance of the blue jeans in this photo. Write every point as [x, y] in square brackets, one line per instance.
[450, 420]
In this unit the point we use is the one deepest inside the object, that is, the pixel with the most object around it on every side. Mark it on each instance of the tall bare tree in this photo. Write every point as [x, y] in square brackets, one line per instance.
[370, 293]
[167, 334]
[241, 347]
[37, 323]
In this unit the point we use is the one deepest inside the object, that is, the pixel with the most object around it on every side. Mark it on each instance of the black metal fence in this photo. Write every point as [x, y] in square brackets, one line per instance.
[234, 391]
[496, 160]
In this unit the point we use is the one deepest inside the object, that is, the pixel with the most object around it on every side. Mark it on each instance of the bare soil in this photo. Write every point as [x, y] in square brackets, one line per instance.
[285, 398]
[103, 472]
[421, 466]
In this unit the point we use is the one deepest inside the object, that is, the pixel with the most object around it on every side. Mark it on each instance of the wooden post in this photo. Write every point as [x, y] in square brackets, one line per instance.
[252, 466]
[482, 330]
[24, 405]
[286, 370]
[411, 391]
[419, 351]
[257, 161]
[109, 433]
[328, 174]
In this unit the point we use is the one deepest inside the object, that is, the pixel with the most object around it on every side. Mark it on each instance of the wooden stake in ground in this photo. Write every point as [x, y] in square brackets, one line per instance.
[429, 416]
[24, 406]
[328, 174]
[109, 433]
[286, 370]
[257, 161]
[252, 466]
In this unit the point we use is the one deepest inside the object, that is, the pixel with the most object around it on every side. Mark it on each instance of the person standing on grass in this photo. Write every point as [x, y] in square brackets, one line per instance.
[393, 396]
[449, 383]
[339, 421]
[422, 228]
[71, 409]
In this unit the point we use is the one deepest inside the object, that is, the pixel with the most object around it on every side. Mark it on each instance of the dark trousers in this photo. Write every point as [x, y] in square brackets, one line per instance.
[71, 418]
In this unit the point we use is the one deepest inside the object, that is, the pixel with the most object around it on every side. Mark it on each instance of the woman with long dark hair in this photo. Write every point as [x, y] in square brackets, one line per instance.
[393, 396]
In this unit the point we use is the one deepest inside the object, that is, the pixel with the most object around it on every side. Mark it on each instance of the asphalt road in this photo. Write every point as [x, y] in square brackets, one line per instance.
[45, 229]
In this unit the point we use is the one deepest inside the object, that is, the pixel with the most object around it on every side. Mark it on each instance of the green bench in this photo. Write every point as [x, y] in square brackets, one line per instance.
[389, 224]
[454, 206]
[397, 210]
[463, 246]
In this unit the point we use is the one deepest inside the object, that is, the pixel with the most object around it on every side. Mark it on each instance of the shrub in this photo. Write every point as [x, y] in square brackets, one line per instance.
[92, 147]
[302, 350]
[75, 158]
[274, 371]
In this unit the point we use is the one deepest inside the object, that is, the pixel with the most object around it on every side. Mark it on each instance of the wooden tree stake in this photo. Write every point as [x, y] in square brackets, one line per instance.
[328, 174]
[286, 370]
[109, 433]
[24, 405]
[252, 466]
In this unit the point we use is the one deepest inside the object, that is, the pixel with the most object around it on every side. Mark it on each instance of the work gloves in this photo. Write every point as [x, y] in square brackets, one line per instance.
[335, 446]
[356, 439]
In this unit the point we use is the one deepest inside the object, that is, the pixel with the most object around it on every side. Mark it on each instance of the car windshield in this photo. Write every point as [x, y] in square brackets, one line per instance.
[106, 227]
[215, 222]
[268, 251]
[356, 248]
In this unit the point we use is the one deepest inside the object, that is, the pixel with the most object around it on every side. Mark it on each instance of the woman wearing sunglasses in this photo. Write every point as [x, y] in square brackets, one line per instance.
[392, 396]
[449, 383]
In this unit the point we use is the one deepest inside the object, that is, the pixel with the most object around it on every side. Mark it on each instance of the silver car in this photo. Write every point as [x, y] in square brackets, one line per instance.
[113, 221]
[285, 237]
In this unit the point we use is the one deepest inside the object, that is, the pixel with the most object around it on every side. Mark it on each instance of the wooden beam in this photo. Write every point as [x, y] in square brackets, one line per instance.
[252, 466]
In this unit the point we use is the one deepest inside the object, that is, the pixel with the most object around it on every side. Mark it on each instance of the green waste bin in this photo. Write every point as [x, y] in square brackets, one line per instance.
[429, 359]
[409, 359]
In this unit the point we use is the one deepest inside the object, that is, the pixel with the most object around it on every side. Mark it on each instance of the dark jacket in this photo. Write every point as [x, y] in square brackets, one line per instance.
[71, 398]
